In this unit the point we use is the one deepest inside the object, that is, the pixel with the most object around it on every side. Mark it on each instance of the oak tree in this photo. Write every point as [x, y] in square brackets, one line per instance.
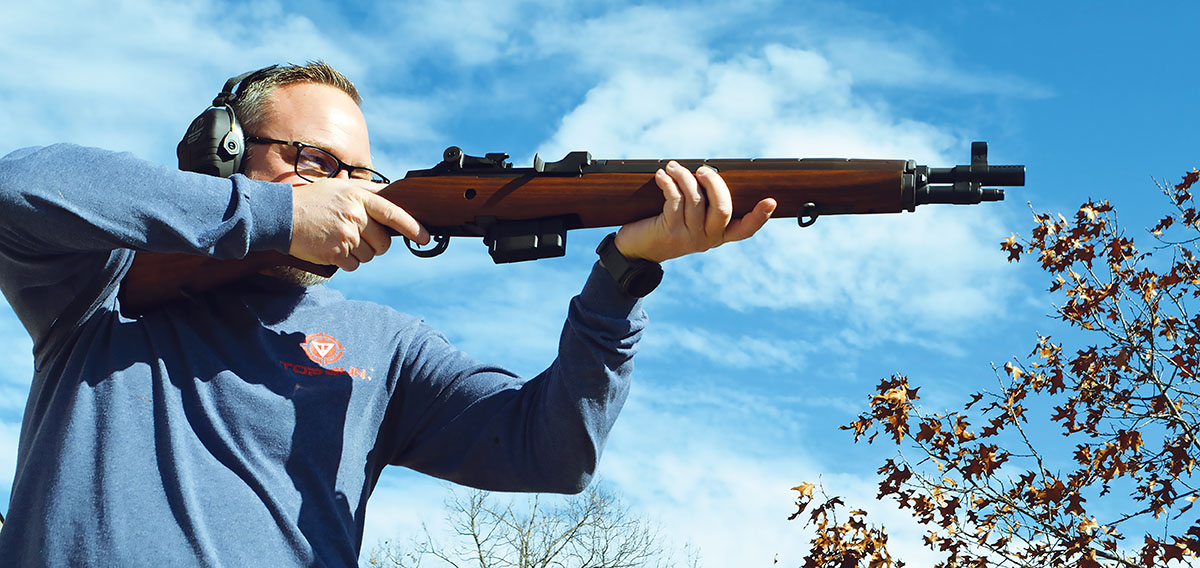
[1121, 386]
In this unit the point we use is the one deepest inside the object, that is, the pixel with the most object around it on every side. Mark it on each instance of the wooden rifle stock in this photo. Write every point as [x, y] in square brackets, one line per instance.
[524, 213]
[157, 279]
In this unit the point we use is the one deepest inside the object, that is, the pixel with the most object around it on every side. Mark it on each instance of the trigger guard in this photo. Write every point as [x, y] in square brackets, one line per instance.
[440, 244]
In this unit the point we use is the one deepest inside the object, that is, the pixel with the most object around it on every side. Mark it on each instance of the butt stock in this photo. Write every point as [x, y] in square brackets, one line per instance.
[525, 213]
[157, 279]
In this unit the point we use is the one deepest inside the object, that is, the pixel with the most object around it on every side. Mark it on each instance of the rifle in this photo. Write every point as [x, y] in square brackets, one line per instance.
[525, 213]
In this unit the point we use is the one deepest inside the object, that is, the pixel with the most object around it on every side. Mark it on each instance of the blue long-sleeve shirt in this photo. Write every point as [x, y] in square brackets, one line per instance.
[249, 427]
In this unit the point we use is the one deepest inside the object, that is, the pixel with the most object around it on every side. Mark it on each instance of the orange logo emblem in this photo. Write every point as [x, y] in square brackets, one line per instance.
[322, 349]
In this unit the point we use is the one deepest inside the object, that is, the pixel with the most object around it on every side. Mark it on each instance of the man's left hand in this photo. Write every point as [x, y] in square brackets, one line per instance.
[697, 215]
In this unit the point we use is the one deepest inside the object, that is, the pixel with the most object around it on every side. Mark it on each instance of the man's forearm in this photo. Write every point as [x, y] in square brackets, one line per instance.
[66, 198]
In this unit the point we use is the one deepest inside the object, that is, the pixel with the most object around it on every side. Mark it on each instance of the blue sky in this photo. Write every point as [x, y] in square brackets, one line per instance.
[757, 351]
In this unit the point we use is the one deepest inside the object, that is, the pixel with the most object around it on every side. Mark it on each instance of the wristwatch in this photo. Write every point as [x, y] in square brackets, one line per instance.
[634, 276]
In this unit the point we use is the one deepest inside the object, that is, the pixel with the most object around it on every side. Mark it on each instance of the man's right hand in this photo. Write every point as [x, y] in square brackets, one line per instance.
[344, 223]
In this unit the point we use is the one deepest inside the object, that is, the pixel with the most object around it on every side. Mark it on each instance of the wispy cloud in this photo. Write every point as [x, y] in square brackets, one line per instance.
[738, 351]
[772, 101]
[933, 269]
[131, 75]
[717, 469]
[472, 33]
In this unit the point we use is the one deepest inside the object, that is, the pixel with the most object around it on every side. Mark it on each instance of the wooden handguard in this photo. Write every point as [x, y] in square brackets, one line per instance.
[456, 205]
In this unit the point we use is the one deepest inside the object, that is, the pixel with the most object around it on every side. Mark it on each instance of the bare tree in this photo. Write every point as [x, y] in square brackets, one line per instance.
[590, 530]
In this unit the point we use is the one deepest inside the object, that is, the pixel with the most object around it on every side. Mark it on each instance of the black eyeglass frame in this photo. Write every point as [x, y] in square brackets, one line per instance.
[300, 146]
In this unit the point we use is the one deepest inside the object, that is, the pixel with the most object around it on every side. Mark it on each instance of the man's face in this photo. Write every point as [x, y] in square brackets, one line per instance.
[315, 114]
[311, 113]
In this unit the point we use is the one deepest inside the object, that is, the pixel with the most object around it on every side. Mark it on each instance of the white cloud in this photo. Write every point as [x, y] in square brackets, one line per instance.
[933, 269]
[404, 132]
[775, 101]
[888, 276]
[894, 66]
[640, 37]
[130, 75]
[591, 36]
[472, 32]
[739, 351]
[717, 468]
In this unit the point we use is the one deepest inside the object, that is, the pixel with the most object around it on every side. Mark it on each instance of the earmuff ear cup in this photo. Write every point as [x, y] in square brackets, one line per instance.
[213, 144]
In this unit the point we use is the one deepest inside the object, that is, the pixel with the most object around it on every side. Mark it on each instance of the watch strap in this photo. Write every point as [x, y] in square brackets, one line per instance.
[634, 276]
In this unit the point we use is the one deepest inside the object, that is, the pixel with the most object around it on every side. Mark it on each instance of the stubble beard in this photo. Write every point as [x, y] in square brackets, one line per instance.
[296, 276]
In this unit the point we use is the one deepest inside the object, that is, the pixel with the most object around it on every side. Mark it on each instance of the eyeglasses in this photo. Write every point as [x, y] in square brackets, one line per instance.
[313, 163]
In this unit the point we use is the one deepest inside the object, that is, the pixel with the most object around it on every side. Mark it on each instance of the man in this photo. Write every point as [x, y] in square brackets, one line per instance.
[249, 426]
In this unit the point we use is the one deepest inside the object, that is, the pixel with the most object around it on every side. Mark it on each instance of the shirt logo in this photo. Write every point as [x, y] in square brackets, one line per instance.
[322, 349]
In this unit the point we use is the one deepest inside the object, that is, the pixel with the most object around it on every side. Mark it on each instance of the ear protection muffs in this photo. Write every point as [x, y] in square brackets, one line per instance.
[214, 143]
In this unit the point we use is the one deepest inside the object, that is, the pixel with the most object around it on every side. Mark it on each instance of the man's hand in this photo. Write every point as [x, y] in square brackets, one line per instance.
[697, 215]
[343, 222]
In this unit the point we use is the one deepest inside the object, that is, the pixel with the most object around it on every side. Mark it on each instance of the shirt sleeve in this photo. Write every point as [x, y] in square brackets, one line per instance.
[489, 429]
[71, 217]
[66, 198]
